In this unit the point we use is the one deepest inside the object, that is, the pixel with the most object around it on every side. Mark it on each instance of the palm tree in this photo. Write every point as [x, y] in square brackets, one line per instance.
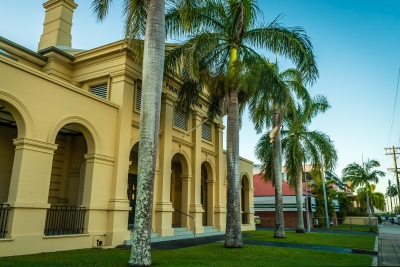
[363, 175]
[391, 191]
[221, 43]
[376, 199]
[299, 146]
[272, 100]
[144, 18]
[318, 191]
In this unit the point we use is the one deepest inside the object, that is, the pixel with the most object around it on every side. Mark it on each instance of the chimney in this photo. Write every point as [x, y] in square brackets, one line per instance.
[57, 23]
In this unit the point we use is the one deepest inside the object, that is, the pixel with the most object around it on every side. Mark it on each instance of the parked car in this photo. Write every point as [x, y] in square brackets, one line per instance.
[397, 219]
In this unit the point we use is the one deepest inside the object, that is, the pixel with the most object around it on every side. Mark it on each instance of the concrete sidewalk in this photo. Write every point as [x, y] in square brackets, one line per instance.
[389, 245]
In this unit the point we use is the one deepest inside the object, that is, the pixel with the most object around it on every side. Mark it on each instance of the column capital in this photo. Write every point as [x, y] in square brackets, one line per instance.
[219, 127]
[186, 177]
[98, 158]
[35, 145]
[167, 99]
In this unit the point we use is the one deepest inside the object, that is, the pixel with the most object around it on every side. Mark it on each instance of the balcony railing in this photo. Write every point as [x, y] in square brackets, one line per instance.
[4, 213]
[65, 220]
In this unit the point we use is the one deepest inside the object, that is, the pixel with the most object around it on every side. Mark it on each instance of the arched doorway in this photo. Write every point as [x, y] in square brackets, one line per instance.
[132, 183]
[68, 168]
[207, 193]
[67, 182]
[179, 190]
[8, 132]
[244, 199]
[203, 193]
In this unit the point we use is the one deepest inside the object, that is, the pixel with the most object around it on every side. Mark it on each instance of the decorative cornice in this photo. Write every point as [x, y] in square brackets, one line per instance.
[55, 80]
[125, 72]
[209, 152]
[70, 3]
[135, 124]
[182, 141]
[98, 158]
[243, 159]
[34, 145]
[219, 127]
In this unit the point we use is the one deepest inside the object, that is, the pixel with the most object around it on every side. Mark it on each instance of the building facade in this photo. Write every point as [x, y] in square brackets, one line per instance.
[264, 203]
[69, 136]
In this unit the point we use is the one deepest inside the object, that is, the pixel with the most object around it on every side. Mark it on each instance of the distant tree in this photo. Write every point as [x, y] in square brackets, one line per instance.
[345, 204]
[362, 176]
[391, 192]
[317, 190]
[377, 199]
[300, 145]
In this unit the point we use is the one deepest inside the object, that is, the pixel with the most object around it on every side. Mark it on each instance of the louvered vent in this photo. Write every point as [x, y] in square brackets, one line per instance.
[206, 131]
[138, 98]
[180, 120]
[99, 90]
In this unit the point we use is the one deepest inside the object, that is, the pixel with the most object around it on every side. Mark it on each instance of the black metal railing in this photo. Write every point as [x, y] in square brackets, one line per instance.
[194, 221]
[244, 218]
[65, 220]
[4, 213]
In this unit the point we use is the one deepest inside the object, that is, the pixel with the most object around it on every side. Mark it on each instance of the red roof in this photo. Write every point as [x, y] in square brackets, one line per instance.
[262, 188]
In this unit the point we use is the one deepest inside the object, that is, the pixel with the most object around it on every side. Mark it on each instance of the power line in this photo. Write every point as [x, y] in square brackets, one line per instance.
[394, 109]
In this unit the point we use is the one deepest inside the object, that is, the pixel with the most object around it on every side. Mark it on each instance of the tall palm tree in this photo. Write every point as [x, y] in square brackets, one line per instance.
[299, 146]
[274, 98]
[362, 176]
[224, 39]
[144, 18]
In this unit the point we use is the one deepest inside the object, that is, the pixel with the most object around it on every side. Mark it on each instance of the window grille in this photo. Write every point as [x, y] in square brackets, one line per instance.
[138, 98]
[180, 120]
[206, 131]
[99, 90]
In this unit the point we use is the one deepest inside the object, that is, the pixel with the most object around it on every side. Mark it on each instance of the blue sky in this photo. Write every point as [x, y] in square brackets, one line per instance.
[357, 44]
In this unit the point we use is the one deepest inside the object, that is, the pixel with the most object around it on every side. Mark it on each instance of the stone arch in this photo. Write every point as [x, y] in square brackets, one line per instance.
[88, 130]
[185, 160]
[244, 176]
[207, 191]
[210, 167]
[20, 113]
[133, 141]
[245, 185]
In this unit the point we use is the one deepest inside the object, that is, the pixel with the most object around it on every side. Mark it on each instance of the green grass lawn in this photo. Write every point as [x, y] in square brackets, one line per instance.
[206, 255]
[216, 255]
[315, 238]
[354, 227]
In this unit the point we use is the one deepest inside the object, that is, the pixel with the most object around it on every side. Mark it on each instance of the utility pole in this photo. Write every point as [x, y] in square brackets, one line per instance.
[394, 151]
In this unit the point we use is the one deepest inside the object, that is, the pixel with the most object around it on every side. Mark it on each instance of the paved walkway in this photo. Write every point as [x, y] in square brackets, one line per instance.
[389, 245]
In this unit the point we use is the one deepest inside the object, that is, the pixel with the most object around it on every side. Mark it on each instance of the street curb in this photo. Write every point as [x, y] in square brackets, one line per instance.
[364, 251]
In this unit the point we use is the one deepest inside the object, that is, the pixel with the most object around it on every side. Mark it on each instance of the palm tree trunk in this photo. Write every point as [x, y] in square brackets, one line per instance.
[369, 213]
[153, 68]
[391, 203]
[372, 206]
[299, 202]
[277, 156]
[233, 233]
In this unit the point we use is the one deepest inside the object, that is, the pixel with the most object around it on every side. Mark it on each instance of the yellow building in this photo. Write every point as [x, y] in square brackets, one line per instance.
[69, 133]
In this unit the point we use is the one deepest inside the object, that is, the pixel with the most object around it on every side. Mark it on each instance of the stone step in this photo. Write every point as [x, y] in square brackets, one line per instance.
[181, 233]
